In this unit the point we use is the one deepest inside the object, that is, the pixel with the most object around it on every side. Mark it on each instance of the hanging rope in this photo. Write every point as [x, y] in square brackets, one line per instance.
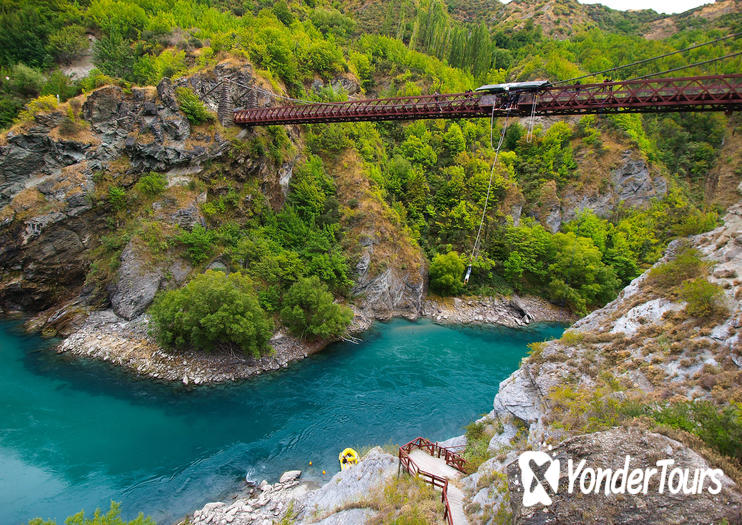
[475, 248]
[529, 137]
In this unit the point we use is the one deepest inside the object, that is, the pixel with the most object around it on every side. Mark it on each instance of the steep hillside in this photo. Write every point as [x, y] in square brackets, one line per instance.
[723, 14]
[556, 18]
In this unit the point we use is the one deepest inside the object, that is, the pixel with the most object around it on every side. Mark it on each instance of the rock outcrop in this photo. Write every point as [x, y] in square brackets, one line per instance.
[621, 339]
[513, 312]
[390, 268]
[632, 184]
[136, 284]
[608, 450]
[339, 501]
[643, 347]
[48, 221]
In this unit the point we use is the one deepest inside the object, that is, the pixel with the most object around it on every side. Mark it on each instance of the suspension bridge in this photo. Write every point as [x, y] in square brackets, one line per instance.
[647, 95]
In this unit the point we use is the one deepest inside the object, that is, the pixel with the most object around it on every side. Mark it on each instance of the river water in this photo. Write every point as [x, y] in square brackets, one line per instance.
[76, 434]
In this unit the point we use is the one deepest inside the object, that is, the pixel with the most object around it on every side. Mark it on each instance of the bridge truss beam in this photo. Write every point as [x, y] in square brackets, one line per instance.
[651, 95]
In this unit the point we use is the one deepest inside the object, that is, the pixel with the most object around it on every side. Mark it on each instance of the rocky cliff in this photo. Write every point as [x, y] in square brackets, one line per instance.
[59, 230]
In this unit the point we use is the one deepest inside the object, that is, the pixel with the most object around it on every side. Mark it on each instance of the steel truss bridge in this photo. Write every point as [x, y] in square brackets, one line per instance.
[649, 95]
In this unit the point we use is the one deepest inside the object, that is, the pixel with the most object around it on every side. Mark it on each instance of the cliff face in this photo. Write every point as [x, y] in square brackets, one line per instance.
[49, 221]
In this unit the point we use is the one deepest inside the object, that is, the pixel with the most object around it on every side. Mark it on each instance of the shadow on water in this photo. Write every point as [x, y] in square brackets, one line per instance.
[78, 433]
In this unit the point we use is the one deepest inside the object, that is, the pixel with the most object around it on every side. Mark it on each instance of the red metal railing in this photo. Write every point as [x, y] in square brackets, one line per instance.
[451, 458]
[652, 95]
[398, 108]
[709, 93]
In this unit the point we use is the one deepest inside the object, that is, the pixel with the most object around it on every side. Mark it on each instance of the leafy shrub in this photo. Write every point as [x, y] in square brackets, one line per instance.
[696, 222]
[309, 310]
[332, 21]
[38, 105]
[199, 242]
[117, 198]
[325, 58]
[71, 124]
[446, 273]
[328, 138]
[95, 79]
[477, 442]
[719, 427]
[282, 12]
[25, 81]
[213, 310]
[60, 84]
[151, 184]
[112, 517]
[704, 299]
[68, 43]
[191, 105]
[688, 264]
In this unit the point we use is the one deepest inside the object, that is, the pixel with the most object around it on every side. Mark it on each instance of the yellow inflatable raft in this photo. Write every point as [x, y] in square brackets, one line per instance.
[348, 458]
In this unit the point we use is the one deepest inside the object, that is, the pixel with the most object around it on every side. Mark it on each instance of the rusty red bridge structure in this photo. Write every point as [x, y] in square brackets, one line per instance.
[649, 95]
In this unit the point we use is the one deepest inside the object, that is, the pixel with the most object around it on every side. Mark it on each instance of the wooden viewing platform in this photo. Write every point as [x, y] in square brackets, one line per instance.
[438, 466]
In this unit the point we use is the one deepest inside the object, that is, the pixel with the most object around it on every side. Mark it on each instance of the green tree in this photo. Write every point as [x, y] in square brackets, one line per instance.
[113, 55]
[310, 312]
[68, 43]
[418, 151]
[191, 105]
[25, 81]
[282, 12]
[214, 310]
[446, 274]
[579, 276]
[199, 242]
[454, 140]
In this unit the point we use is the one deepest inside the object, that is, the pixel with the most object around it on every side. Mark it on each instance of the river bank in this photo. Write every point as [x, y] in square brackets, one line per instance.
[128, 344]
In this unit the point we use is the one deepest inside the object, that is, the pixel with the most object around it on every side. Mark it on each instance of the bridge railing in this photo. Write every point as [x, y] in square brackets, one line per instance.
[395, 108]
[451, 458]
[649, 94]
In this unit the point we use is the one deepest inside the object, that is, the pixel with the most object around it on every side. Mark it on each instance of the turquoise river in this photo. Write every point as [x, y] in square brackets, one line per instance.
[77, 434]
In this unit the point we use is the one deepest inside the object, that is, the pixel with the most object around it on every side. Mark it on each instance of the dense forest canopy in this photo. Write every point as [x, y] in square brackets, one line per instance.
[432, 174]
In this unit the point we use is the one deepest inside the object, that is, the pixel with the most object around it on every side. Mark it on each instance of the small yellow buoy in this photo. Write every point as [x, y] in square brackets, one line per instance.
[310, 462]
[323, 472]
